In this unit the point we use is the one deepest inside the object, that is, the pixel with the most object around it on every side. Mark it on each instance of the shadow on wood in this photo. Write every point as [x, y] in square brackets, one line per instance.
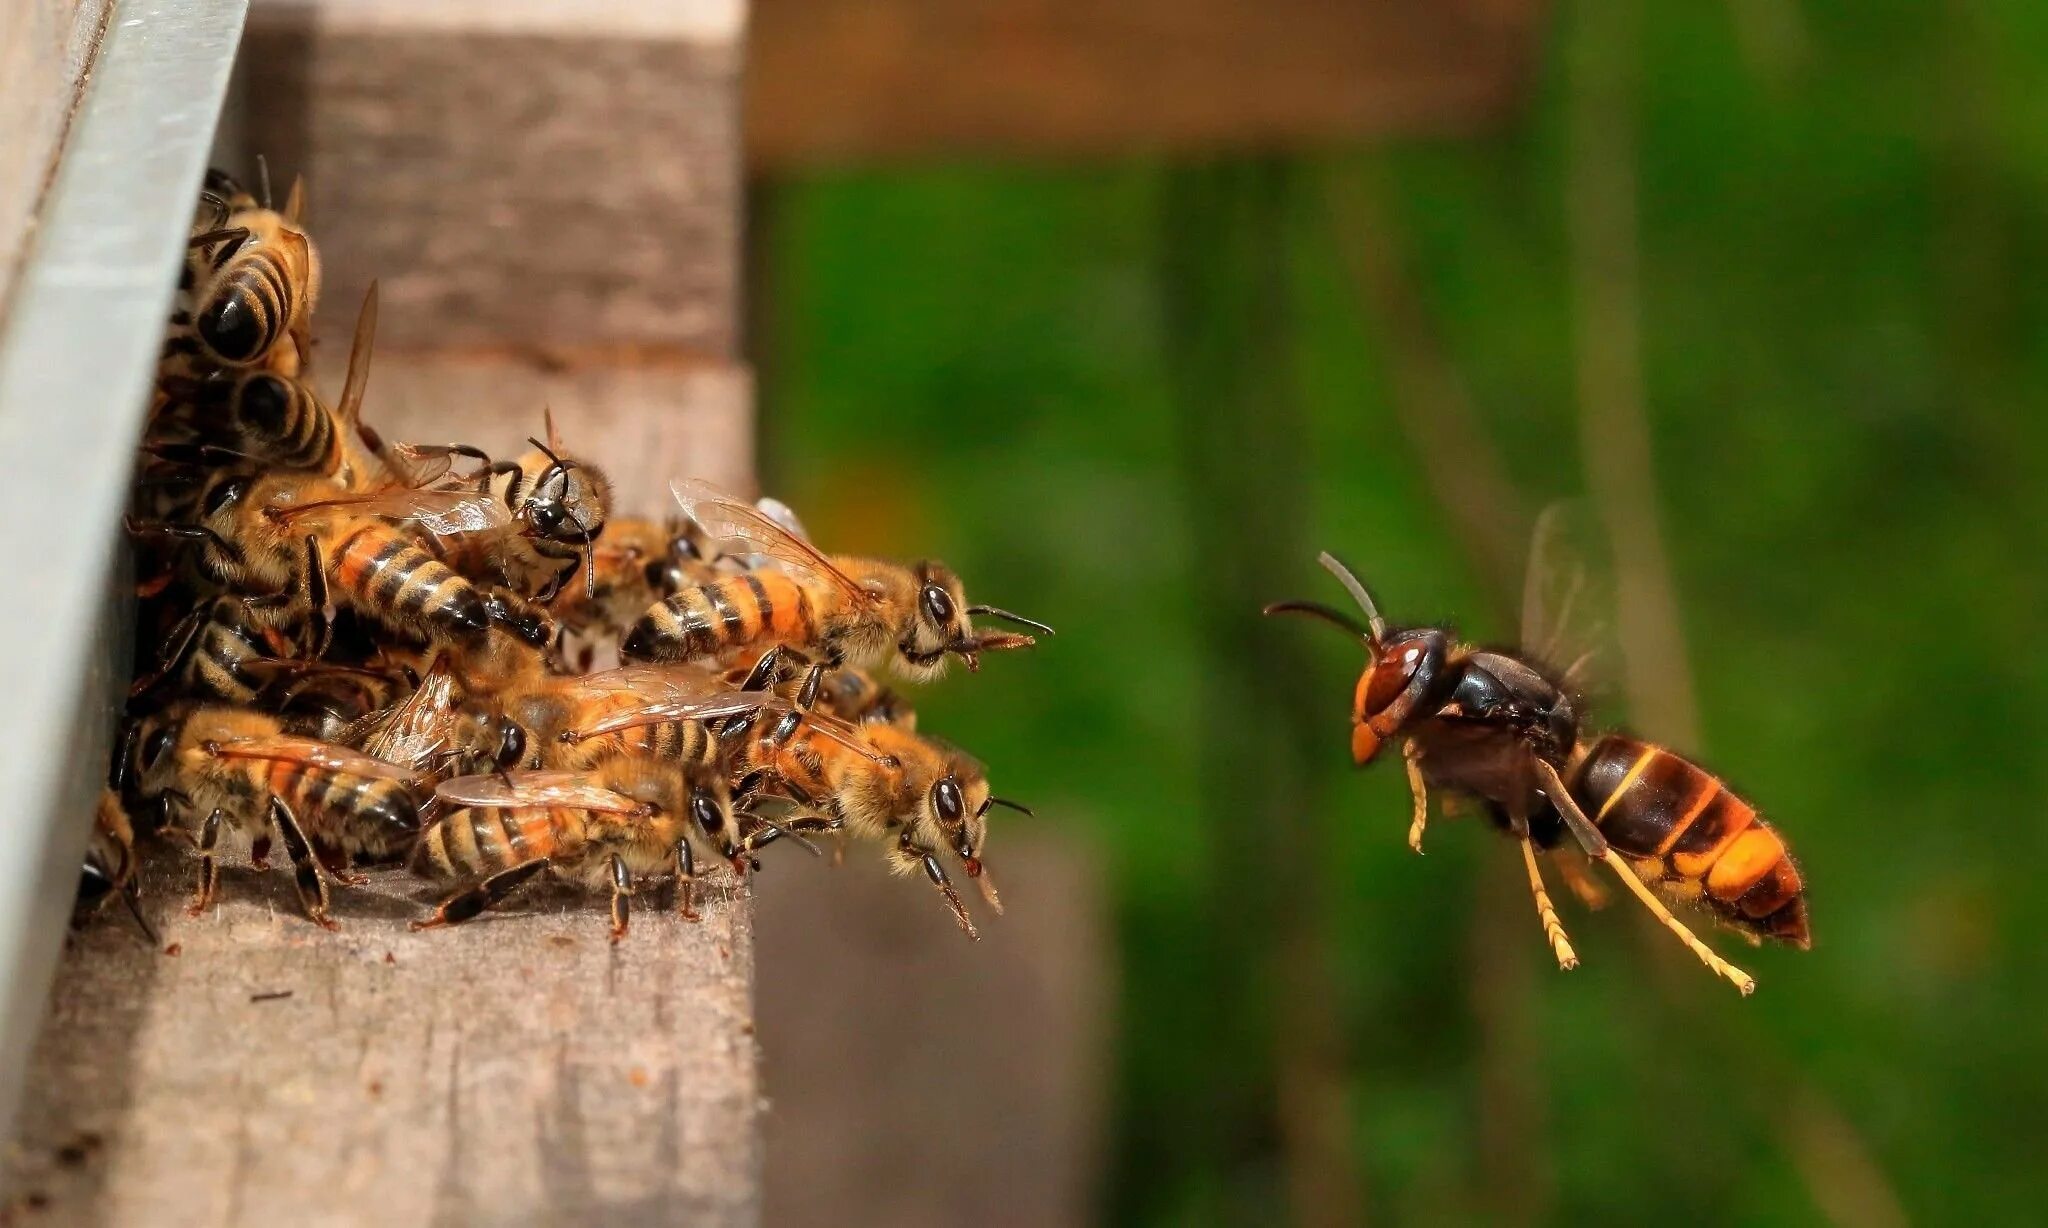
[915, 1078]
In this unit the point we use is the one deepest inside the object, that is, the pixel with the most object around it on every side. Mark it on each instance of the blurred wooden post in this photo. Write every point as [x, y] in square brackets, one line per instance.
[550, 197]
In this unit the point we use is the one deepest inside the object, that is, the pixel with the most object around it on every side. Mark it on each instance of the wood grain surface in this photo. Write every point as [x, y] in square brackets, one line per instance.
[563, 183]
[517, 1070]
[46, 47]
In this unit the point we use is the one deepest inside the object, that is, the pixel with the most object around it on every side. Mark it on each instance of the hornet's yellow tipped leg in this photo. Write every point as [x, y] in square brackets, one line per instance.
[1736, 976]
[1553, 929]
[1596, 847]
[1419, 791]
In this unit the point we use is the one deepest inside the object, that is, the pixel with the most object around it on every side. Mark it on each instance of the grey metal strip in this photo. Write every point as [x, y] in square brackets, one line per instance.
[76, 363]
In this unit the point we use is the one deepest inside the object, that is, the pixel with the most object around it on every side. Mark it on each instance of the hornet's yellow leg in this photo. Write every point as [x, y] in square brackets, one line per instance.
[1420, 791]
[1597, 848]
[1553, 929]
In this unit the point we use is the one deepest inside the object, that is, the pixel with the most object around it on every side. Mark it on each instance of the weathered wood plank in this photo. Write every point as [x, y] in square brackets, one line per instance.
[45, 49]
[519, 174]
[643, 423]
[520, 1069]
[847, 81]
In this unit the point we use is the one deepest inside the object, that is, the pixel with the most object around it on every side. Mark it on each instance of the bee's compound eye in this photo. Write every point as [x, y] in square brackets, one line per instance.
[548, 517]
[511, 744]
[221, 495]
[706, 814]
[158, 745]
[938, 605]
[231, 329]
[947, 801]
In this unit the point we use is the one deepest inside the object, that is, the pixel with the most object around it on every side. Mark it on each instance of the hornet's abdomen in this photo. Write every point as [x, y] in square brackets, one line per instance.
[1654, 806]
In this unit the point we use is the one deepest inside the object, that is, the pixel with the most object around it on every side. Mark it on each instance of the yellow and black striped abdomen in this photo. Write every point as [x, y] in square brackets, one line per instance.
[757, 608]
[279, 420]
[388, 578]
[476, 841]
[358, 814]
[247, 305]
[1655, 806]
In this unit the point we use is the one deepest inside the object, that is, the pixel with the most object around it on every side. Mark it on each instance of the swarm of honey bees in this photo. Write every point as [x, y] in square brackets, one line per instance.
[1504, 731]
[366, 651]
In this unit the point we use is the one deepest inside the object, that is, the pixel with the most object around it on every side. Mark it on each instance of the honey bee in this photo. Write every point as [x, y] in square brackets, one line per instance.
[217, 770]
[1496, 727]
[633, 564]
[844, 610]
[875, 782]
[258, 418]
[856, 697]
[283, 566]
[526, 525]
[602, 829]
[437, 731]
[255, 279]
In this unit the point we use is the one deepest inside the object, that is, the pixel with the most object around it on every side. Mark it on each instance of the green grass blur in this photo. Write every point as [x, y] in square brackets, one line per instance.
[1843, 237]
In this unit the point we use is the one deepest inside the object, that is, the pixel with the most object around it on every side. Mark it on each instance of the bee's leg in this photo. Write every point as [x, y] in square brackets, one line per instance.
[686, 880]
[489, 893]
[305, 866]
[807, 694]
[762, 676]
[335, 862]
[1577, 873]
[233, 236]
[1412, 757]
[165, 530]
[622, 894]
[937, 873]
[209, 866]
[176, 651]
[1546, 913]
[316, 600]
[1597, 848]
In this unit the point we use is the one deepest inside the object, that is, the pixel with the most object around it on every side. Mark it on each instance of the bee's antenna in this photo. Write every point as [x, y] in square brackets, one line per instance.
[1317, 609]
[263, 178]
[1335, 566]
[1019, 807]
[1006, 616]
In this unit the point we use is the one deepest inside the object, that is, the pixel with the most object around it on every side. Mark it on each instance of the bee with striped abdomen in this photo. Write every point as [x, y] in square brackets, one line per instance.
[288, 566]
[255, 278]
[845, 611]
[625, 820]
[255, 419]
[1496, 727]
[873, 781]
[525, 525]
[216, 771]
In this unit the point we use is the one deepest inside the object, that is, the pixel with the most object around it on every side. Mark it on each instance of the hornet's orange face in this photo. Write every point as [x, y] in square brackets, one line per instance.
[1404, 666]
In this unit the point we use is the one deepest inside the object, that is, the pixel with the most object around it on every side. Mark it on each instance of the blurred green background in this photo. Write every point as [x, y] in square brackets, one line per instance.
[1134, 398]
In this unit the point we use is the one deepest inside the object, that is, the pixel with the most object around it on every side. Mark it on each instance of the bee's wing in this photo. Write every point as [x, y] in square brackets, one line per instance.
[664, 708]
[1568, 600]
[727, 520]
[289, 748]
[423, 464]
[416, 729]
[684, 680]
[783, 514]
[563, 790]
[440, 511]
